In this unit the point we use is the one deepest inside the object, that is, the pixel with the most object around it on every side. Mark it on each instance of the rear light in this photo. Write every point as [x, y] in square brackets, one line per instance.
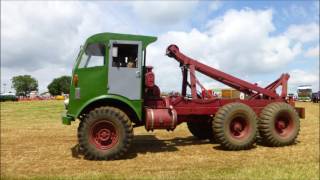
[75, 80]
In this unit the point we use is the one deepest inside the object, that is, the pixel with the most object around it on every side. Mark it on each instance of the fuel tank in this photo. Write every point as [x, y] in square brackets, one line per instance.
[165, 118]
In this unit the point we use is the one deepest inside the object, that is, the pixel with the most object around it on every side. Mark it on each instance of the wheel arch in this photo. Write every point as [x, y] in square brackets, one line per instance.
[131, 109]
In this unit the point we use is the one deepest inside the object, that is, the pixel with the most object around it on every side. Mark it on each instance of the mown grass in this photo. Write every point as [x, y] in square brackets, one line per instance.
[35, 145]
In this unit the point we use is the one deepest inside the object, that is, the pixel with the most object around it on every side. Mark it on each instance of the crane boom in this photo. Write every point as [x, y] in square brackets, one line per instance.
[251, 89]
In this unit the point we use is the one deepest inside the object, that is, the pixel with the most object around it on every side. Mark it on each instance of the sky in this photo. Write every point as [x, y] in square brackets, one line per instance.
[254, 40]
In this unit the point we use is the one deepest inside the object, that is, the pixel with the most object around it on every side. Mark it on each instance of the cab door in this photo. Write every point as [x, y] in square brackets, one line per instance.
[124, 72]
[89, 75]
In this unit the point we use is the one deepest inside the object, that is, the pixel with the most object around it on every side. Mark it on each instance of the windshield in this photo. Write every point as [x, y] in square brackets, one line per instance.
[77, 58]
[92, 56]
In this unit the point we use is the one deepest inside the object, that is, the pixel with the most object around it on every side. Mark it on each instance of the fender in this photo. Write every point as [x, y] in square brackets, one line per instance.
[135, 105]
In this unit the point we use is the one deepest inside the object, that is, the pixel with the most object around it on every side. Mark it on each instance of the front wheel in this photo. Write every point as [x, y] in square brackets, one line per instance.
[235, 126]
[105, 133]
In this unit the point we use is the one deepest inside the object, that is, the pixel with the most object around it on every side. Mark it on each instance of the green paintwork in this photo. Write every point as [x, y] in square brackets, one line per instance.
[93, 81]
[106, 37]
[136, 105]
[306, 98]
[66, 120]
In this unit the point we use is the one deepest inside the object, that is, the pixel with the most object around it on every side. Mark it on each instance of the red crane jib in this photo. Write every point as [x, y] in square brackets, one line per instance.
[248, 88]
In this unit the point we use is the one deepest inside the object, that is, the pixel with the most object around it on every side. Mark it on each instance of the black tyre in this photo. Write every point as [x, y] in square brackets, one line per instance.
[235, 126]
[105, 133]
[201, 129]
[279, 124]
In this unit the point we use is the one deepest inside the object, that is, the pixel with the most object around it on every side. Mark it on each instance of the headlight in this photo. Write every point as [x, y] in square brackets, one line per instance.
[66, 103]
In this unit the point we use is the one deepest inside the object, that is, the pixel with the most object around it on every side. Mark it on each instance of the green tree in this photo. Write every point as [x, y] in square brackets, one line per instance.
[59, 85]
[24, 84]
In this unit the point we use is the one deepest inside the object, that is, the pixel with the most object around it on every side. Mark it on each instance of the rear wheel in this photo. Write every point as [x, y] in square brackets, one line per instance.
[202, 129]
[235, 126]
[279, 124]
[105, 133]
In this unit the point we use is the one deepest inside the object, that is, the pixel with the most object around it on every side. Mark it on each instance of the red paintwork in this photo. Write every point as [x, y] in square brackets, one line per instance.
[239, 128]
[206, 105]
[236, 83]
[104, 135]
[206, 93]
[149, 77]
[284, 125]
[161, 119]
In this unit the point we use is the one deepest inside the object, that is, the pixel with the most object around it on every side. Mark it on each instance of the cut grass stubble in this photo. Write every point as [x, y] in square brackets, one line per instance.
[34, 144]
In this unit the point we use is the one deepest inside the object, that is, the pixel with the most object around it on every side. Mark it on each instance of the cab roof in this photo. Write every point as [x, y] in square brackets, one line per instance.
[106, 36]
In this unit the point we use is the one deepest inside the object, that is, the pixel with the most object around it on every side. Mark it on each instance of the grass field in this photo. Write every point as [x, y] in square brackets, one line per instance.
[35, 145]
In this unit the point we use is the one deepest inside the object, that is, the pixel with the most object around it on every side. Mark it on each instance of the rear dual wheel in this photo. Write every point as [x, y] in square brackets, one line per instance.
[279, 124]
[105, 133]
[235, 126]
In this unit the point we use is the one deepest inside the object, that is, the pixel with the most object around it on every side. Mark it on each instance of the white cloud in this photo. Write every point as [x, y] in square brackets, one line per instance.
[312, 52]
[304, 32]
[163, 12]
[239, 42]
[300, 77]
[25, 31]
[43, 38]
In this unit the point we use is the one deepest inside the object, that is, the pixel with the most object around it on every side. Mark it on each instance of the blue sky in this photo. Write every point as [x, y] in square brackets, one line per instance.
[286, 12]
[253, 40]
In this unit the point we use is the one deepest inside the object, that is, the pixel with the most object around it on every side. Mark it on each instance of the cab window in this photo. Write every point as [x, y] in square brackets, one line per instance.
[125, 55]
[93, 56]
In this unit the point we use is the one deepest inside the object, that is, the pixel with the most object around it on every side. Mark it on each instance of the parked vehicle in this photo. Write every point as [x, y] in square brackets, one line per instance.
[304, 93]
[316, 97]
[8, 97]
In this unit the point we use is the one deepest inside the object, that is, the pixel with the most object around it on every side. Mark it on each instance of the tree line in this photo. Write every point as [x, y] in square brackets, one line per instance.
[24, 84]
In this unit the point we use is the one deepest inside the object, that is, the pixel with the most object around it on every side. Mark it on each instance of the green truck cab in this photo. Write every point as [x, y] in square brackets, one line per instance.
[104, 63]
[106, 93]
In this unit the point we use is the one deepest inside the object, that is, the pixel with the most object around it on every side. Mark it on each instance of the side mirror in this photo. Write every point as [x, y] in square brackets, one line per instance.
[114, 51]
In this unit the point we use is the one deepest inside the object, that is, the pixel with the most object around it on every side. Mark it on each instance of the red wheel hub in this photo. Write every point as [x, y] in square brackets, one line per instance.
[284, 124]
[239, 128]
[104, 134]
